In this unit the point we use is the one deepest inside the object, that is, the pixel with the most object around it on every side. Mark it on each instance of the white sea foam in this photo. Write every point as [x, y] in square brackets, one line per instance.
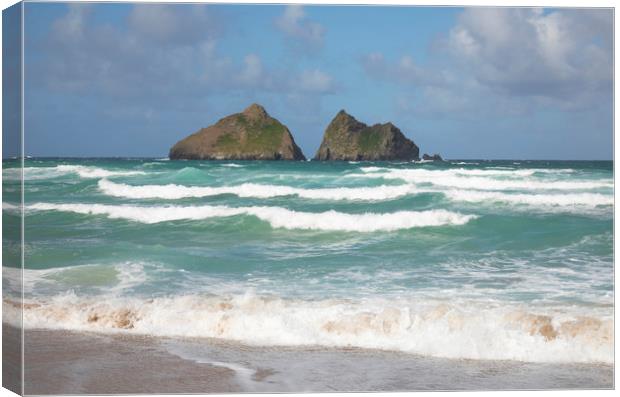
[95, 172]
[9, 207]
[35, 173]
[172, 191]
[11, 174]
[277, 217]
[31, 173]
[121, 277]
[468, 330]
[373, 169]
[493, 171]
[481, 179]
[129, 275]
[563, 200]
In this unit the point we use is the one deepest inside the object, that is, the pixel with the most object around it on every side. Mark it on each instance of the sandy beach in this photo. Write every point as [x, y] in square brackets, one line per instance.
[62, 362]
[11, 358]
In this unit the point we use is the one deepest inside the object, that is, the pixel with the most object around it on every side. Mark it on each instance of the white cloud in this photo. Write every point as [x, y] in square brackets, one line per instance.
[527, 52]
[71, 26]
[161, 53]
[171, 24]
[252, 73]
[315, 81]
[296, 26]
[157, 20]
[405, 70]
[510, 60]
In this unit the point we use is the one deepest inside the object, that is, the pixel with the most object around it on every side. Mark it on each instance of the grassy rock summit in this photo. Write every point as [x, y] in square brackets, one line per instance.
[348, 139]
[250, 135]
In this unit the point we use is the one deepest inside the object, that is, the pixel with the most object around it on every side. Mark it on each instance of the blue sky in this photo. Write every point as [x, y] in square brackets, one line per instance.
[131, 80]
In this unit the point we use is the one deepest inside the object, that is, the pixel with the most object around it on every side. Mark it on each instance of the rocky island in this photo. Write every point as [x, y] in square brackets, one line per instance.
[250, 135]
[348, 139]
[434, 157]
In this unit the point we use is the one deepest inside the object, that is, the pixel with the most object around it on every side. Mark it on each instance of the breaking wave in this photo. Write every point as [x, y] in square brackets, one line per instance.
[562, 200]
[94, 172]
[481, 179]
[172, 191]
[569, 201]
[491, 171]
[9, 207]
[277, 217]
[232, 165]
[88, 172]
[453, 330]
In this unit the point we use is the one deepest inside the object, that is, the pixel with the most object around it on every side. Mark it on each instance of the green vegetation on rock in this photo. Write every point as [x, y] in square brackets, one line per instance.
[369, 140]
[251, 135]
[226, 142]
[348, 139]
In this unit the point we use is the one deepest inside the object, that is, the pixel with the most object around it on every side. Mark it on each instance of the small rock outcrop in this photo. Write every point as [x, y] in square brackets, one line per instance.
[348, 139]
[250, 135]
[434, 157]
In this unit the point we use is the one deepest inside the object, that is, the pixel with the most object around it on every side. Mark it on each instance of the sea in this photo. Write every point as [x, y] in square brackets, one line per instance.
[459, 264]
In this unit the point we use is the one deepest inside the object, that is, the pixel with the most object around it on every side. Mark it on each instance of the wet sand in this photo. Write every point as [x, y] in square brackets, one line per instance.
[63, 362]
[60, 362]
[11, 358]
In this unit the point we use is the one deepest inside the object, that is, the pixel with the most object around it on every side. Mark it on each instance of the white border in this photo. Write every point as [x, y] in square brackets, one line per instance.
[546, 3]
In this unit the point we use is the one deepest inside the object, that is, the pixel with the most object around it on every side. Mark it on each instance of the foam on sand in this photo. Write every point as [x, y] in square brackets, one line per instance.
[277, 217]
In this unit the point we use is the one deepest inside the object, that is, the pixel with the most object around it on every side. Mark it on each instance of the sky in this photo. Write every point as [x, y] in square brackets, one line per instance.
[131, 80]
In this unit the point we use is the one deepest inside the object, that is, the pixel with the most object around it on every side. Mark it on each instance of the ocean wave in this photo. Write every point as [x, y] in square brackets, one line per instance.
[11, 174]
[491, 171]
[87, 172]
[173, 191]
[233, 165]
[460, 330]
[277, 217]
[95, 172]
[101, 277]
[464, 163]
[481, 179]
[373, 169]
[562, 200]
[10, 207]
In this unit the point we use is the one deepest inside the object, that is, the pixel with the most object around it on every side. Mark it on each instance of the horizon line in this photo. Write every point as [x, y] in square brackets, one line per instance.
[286, 161]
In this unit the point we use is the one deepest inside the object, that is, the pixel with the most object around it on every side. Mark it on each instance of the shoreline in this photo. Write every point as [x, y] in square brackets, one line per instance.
[68, 362]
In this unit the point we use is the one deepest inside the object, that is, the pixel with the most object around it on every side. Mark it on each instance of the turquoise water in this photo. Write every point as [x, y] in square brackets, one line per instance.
[463, 259]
